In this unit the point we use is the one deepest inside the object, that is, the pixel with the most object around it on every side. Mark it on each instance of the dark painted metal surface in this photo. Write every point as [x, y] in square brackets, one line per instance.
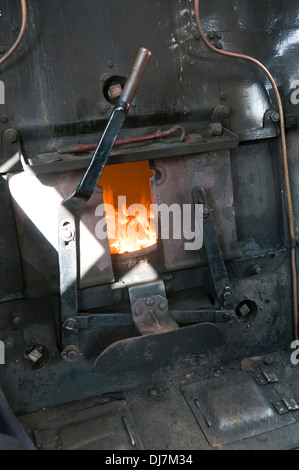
[59, 35]
[213, 252]
[11, 285]
[212, 171]
[170, 419]
[150, 349]
[71, 44]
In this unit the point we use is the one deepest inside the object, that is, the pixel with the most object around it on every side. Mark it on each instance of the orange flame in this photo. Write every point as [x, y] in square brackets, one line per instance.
[128, 230]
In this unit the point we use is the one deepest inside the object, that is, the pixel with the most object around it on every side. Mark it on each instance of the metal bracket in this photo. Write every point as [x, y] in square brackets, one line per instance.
[286, 405]
[213, 252]
[265, 378]
[12, 151]
[150, 309]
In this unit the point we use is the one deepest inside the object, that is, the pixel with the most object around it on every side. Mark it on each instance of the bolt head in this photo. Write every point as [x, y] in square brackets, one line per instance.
[149, 301]
[227, 296]
[206, 211]
[72, 355]
[115, 91]
[162, 305]
[71, 325]
[138, 311]
[8, 343]
[16, 320]
[275, 116]
[11, 136]
[67, 233]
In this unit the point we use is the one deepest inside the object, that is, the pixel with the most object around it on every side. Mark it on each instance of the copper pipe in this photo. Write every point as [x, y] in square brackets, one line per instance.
[21, 34]
[284, 155]
[131, 140]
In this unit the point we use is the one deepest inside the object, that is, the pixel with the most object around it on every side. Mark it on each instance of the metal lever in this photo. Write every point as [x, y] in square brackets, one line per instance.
[135, 77]
[213, 253]
[70, 206]
[102, 152]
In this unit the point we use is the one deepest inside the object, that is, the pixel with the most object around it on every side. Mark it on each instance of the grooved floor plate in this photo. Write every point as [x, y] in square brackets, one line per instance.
[231, 412]
[108, 426]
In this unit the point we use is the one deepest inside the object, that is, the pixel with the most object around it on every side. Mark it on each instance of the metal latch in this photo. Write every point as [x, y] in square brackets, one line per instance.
[265, 378]
[150, 308]
[286, 405]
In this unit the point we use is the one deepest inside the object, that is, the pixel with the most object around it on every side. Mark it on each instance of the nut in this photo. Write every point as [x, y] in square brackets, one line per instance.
[115, 91]
[11, 136]
[67, 232]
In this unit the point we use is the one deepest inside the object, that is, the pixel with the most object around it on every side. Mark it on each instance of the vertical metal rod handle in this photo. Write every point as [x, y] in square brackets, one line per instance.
[136, 75]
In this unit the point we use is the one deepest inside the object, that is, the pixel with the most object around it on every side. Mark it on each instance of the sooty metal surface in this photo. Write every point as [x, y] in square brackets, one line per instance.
[106, 426]
[230, 412]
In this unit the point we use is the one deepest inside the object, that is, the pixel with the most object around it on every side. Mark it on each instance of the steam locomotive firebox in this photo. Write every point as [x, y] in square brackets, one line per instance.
[149, 218]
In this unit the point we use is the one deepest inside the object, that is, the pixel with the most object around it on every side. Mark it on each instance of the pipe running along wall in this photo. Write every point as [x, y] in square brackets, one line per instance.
[284, 155]
[21, 34]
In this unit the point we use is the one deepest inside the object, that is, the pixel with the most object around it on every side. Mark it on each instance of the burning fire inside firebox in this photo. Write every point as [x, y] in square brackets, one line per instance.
[127, 198]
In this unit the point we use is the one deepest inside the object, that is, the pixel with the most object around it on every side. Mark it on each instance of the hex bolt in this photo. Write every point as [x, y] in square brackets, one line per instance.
[8, 343]
[149, 301]
[115, 91]
[72, 355]
[206, 211]
[71, 324]
[268, 361]
[162, 305]
[110, 64]
[2, 49]
[227, 295]
[218, 35]
[215, 129]
[211, 35]
[16, 319]
[138, 311]
[275, 116]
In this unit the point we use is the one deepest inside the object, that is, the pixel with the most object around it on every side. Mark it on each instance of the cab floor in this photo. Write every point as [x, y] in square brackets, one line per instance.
[250, 404]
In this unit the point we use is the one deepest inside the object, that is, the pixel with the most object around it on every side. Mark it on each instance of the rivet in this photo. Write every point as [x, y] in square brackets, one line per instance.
[138, 311]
